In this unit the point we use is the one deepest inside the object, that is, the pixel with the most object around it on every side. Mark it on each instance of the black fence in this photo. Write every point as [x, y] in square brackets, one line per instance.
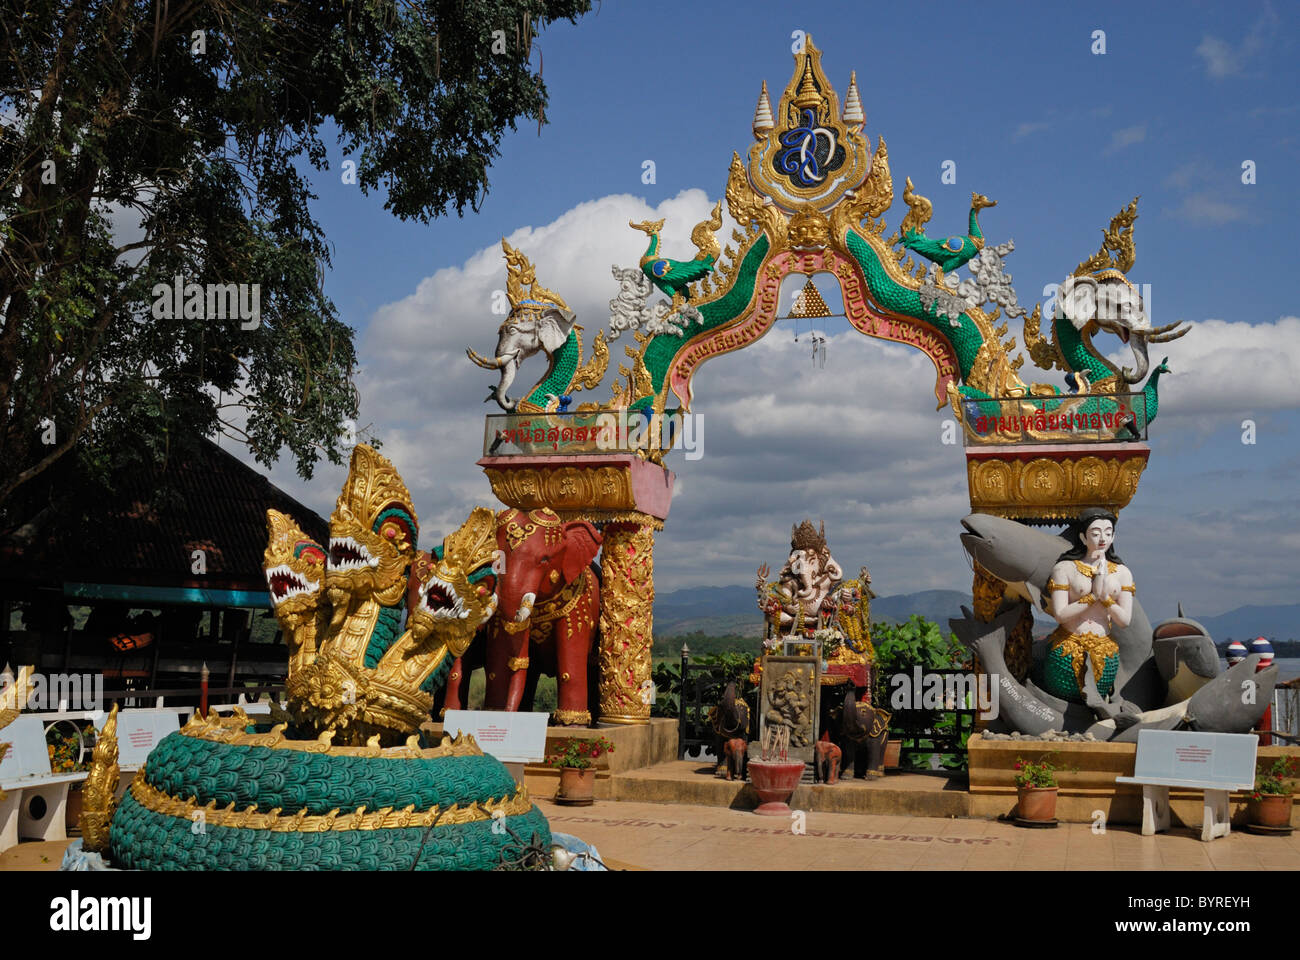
[929, 732]
[701, 690]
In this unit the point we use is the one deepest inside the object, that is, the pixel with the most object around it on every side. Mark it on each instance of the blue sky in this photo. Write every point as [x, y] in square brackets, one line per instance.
[1059, 136]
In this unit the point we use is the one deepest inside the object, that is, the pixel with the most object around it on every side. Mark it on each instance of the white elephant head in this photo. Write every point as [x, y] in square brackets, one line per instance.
[1107, 300]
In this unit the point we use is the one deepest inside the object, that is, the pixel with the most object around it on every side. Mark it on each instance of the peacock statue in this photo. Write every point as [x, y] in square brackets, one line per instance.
[673, 277]
[953, 252]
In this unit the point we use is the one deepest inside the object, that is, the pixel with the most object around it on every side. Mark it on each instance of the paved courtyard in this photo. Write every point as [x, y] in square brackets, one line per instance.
[655, 836]
[658, 836]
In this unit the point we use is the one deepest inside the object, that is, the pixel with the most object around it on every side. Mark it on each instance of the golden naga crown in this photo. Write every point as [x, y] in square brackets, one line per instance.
[363, 665]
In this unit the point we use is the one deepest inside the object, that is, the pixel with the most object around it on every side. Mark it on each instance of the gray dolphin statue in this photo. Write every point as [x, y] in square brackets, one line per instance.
[1168, 678]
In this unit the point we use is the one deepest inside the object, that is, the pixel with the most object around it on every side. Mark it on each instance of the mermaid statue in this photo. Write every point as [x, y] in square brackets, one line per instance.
[1090, 590]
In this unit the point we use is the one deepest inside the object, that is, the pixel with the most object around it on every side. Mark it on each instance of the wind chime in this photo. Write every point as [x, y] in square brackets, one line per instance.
[809, 305]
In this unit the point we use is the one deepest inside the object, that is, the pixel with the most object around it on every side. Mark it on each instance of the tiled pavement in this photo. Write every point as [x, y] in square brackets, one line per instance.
[656, 836]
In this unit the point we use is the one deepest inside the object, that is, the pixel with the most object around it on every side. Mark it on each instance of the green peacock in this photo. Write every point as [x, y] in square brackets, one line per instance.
[952, 252]
[673, 277]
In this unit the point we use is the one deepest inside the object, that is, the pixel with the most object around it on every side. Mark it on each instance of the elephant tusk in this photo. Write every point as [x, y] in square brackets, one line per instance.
[525, 607]
[1166, 337]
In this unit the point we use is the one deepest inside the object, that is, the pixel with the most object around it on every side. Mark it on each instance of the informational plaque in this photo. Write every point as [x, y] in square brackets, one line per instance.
[1184, 756]
[510, 737]
[138, 732]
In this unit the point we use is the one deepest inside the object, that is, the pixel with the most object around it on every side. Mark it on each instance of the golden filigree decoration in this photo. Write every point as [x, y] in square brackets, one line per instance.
[871, 198]
[626, 618]
[571, 718]
[564, 487]
[809, 228]
[1053, 488]
[919, 211]
[99, 795]
[276, 821]
[233, 730]
[1044, 351]
[746, 205]
[520, 271]
[809, 91]
[590, 374]
[1118, 251]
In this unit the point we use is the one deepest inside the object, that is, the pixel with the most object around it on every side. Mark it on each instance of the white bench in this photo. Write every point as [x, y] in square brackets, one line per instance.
[1216, 763]
[36, 799]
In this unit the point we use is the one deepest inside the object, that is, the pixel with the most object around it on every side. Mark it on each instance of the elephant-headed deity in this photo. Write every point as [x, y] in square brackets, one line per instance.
[792, 605]
[548, 615]
[810, 595]
[539, 320]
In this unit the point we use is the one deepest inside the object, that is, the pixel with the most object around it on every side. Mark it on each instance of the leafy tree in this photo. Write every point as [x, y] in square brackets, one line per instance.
[143, 140]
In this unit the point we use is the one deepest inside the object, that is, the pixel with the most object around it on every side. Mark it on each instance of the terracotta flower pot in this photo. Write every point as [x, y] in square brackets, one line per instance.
[1270, 810]
[774, 782]
[1036, 803]
[577, 786]
[893, 751]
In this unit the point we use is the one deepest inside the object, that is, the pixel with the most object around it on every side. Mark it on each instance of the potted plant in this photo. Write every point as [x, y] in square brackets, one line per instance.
[66, 756]
[577, 759]
[1036, 789]
[1270, 804]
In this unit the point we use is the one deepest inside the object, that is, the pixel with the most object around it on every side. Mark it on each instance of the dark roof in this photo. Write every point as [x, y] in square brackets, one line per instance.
[219, 506]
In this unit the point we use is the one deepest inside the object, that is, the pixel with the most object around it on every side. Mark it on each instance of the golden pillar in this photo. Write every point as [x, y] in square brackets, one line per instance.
[627, 594]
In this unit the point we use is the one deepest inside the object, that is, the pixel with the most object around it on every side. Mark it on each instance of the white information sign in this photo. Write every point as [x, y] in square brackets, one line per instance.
[139, 731]
[510, 737]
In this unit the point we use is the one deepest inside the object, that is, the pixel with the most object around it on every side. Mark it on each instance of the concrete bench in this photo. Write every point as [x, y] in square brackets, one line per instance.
[36, 800]
[1216, 763]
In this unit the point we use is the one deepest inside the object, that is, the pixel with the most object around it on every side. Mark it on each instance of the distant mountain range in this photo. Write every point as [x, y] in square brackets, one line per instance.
[726, 611]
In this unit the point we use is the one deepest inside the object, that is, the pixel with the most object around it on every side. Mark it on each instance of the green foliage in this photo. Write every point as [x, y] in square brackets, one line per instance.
[702, 645]
[1036, 773]
[1278, 779]
[580, 752]
[722, 669]
[900, 648]
[176, 153]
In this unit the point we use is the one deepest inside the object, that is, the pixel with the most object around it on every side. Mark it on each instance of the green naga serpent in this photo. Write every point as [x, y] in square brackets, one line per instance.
[343, 780]
[1097, 297]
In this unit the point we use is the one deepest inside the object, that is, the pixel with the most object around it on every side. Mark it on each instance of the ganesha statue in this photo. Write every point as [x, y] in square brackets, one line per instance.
[811, 600]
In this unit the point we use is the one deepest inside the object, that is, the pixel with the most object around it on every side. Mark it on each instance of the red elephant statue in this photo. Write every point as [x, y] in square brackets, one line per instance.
[548, 616]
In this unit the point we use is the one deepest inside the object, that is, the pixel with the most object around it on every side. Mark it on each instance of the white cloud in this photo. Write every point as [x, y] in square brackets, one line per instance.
[857, 444]
[1208, 209]
[1126, 137]
[1029, 128]
[1224, 59]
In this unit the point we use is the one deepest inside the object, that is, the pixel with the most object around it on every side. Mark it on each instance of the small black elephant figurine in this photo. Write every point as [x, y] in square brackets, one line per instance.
[864, 730]
[730, 723]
